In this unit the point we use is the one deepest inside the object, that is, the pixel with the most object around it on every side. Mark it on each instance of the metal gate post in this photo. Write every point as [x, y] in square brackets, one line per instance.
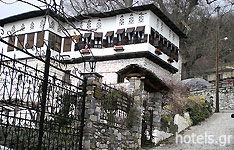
[43, 100]
[82, 112]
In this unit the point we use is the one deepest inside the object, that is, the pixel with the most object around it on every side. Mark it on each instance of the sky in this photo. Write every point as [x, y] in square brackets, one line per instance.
[14, 8]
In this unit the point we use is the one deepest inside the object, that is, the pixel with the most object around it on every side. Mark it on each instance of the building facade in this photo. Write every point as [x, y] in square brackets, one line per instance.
[135, 48]
[141, 35]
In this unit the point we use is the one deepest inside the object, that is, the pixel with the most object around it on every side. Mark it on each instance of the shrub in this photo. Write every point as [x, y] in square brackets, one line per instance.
[199, 109]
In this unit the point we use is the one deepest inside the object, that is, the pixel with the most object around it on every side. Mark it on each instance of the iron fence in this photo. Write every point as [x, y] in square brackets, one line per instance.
[38, 108]
[115, 105]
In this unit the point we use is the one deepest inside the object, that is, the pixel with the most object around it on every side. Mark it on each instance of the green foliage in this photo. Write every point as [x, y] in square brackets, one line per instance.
[199, 109]
[132, 118]
[167, 124]
[62, 117]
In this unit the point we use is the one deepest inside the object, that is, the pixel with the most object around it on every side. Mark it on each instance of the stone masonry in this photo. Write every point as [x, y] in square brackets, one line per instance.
[101, 136]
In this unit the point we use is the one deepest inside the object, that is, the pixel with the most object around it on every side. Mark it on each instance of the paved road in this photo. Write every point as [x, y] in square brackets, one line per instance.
[215, 133]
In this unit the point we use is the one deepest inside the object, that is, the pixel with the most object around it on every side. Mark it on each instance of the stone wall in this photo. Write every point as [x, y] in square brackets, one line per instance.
[226, 94]
[100, 135]
[109, 68]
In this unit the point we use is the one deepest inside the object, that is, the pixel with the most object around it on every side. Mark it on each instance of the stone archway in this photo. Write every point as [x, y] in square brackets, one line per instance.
[145, 81]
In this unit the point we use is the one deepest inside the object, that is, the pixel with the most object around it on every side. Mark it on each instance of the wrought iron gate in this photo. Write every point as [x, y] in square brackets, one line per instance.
[42, 104]
[147, 125]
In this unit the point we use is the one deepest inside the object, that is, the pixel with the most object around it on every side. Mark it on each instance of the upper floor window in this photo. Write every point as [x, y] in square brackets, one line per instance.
[121, 20]
[169, 33]
[109, 38]
[130, 35]
[81, 25]
[22, 27]
[67, 44]
[89, 25]
[20, 41]
[120, 36]
[13, 29]
[32, 26]
[51, 25]
[11, 41]
[42, 23]
[131, 19]
[97, 40]
[87, 38]
[141, 18]
[174, 52]
[162, 26]
[40, 39]
[157, 23]
[55, 42]
[59, 28]
[140, 34]
[30, 40]
[154, 38]
[99, 24]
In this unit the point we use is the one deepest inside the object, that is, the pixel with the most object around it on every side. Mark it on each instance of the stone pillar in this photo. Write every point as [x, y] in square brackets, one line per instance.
[137, 91]
[92, 112]
[155, 100]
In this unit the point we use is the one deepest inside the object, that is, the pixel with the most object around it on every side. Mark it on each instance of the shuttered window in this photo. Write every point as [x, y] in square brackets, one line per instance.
[11, 41]
[30, 40]
[40, 39]
[120, 36]
[109, 38]
[55, 42]
[98, 40]
[58, 43]
[20, 42]
[67, 44]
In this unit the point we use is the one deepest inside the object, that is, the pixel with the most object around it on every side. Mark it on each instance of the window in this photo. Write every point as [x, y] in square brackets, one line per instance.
[30, 40]
[121, 20]
[89, 25]
[66, 77]
[99, 24]
[22, 27]
[11, 41]
[109, 37]
[174, 52]
[120, 36]
[87, 38]
[98, 40]
[42, 23]
[40, 39]
[67, 44]
[58, 43]
[52, 25]
[20, 42]
[55, 42]
[162, 26]
[32, 26]
[169, 33]
[154, 38]
[131, 19]
[165, 48]
[130, 35]
[141, 18]
[13, 29]
[140, 33]
[157, 23]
